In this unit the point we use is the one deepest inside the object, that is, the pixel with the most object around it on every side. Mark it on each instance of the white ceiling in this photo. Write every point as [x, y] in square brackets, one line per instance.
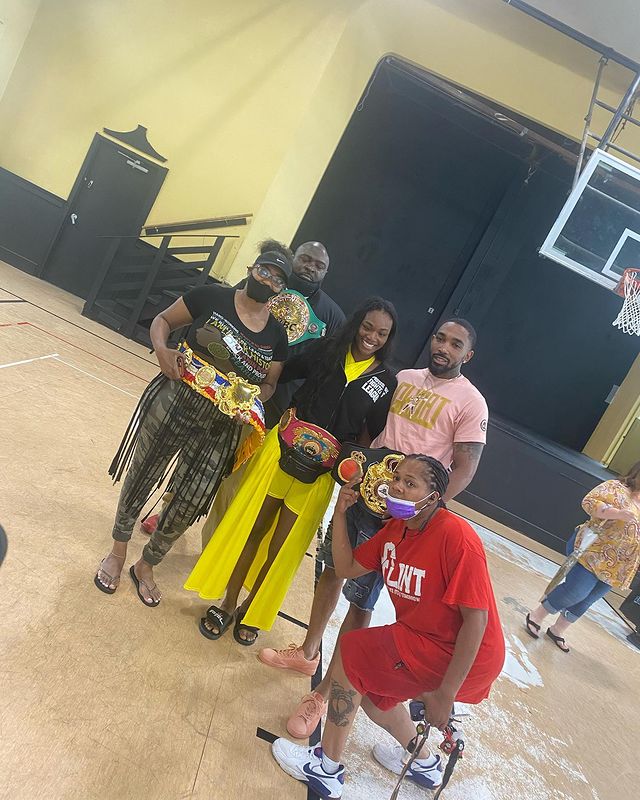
[614, 23]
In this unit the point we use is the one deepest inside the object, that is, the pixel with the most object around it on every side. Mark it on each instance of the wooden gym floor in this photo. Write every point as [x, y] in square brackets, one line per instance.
[102, 697]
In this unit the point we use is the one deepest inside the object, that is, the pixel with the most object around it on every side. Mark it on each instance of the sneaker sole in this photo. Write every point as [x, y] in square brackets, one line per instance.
[306, 673]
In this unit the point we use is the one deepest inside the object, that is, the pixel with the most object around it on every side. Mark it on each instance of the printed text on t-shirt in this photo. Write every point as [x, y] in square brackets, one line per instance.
[404, 580]
[421, 406]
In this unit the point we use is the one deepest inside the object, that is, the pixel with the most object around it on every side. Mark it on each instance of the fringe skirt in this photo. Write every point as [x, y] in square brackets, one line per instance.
[189, 434]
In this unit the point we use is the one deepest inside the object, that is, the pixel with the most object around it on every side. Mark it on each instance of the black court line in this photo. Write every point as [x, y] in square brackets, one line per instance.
[316, 678]
[13, 301]
[292, 619]
[315, 737]
[75, 325]
[266, 736]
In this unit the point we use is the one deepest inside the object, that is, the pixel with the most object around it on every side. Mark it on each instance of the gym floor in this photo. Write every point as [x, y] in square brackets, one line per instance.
[102, 697]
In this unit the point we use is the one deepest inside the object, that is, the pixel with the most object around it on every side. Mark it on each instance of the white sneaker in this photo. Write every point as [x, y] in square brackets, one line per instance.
[305, 764]
[391, 756]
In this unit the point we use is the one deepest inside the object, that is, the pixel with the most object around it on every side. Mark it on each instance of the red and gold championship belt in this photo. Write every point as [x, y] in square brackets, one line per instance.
[231, 394]
[308, 439]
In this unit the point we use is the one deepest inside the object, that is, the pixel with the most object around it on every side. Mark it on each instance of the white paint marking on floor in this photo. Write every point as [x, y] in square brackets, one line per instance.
[95, 377]
[518, 667]
[28, 360]
[601, 612]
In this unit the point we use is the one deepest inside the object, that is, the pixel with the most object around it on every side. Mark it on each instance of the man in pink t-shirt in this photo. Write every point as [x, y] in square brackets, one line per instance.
[434, 411]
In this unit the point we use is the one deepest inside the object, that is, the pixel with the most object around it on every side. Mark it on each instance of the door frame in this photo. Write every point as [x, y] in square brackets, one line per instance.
[154, 188]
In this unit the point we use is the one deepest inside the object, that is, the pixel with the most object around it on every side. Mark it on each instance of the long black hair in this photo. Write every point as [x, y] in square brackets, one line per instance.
[334, 352]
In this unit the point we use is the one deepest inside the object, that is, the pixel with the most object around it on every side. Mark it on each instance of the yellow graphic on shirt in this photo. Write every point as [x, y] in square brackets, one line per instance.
[421, 406]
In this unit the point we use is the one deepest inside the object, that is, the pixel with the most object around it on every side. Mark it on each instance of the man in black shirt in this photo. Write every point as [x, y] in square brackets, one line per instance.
[310, 265]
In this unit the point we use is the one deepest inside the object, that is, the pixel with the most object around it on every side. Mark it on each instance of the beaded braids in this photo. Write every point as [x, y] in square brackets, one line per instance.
[434, 473]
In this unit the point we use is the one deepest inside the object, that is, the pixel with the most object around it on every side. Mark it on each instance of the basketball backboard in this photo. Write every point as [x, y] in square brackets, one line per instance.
[597, 233]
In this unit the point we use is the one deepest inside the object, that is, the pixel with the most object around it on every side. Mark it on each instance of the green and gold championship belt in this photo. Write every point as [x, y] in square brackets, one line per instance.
[293, 311]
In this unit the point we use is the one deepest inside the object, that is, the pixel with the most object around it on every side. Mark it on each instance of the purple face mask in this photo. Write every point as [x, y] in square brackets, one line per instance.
[404, 509]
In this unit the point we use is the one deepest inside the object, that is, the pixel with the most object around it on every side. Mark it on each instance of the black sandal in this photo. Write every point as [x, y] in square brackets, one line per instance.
[558, 641]
[530, 622]
[236, 631]
[220, 619]
[137, 582]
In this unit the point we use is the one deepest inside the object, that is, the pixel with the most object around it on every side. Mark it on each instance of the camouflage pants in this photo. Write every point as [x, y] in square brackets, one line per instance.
[174, 518]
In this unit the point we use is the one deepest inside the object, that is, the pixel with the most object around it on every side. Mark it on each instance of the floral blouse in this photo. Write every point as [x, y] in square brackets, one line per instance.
[614, 557]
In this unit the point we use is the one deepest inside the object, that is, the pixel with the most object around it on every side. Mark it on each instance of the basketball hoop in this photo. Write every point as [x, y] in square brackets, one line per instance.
[628, 320]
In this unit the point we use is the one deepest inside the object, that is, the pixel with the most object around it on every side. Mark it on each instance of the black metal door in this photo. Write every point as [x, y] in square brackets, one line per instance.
[112, 196]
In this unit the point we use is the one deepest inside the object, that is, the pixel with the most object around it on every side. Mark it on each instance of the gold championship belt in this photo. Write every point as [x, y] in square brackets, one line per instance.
[293, 311]
[375, 467]
[230, 393]
[238, 397]
[375, 484]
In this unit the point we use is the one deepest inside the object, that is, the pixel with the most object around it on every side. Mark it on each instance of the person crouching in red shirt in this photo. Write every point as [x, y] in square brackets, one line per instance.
[445, 645]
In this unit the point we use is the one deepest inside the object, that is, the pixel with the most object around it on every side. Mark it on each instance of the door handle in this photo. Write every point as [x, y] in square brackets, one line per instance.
[73, 218]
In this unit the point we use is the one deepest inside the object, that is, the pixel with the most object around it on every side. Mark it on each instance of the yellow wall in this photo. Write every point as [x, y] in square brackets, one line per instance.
[220, 85]
[248, 99]
[617, 419]
[16, 17]
[483, 45]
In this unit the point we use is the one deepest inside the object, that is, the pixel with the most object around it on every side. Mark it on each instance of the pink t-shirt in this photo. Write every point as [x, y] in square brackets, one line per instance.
[428, 415]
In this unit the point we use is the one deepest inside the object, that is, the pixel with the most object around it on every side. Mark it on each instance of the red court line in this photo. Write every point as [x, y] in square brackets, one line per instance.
[71, 344]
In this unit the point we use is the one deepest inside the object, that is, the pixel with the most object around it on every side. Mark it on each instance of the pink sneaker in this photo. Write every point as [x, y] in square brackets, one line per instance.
[291, 658]
[150, 524]
[304, 720]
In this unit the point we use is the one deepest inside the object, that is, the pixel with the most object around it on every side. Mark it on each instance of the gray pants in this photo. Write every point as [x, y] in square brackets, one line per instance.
[173, 519]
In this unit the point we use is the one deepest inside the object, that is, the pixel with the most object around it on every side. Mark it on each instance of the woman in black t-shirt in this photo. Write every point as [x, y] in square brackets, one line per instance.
[188, 421]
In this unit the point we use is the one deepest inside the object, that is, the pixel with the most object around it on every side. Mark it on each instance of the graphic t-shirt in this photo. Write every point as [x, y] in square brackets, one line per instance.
[429, 574]
[428, 415]
[221, 338]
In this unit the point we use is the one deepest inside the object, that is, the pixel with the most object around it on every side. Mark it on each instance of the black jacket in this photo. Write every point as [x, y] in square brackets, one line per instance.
[346, 411]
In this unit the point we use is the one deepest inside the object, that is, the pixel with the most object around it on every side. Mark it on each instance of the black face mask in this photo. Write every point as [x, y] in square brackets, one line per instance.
[302, 285]
[260, 292]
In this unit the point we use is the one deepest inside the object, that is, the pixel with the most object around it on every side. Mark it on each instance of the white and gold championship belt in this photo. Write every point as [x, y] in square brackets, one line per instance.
[294, 312]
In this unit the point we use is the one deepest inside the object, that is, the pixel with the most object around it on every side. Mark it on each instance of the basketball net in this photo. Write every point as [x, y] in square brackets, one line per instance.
[628, 320]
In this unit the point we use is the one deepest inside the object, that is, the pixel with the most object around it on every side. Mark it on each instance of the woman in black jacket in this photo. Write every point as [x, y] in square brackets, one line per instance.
[287, 486]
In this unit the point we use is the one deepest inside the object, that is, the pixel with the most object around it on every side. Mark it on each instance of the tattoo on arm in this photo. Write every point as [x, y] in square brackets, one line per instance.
[469, 452]
[341, 704]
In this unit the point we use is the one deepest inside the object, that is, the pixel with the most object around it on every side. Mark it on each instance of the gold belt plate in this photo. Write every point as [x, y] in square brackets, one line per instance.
[238, 396]
[375, 484]
[204, 377]
[292, 311]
